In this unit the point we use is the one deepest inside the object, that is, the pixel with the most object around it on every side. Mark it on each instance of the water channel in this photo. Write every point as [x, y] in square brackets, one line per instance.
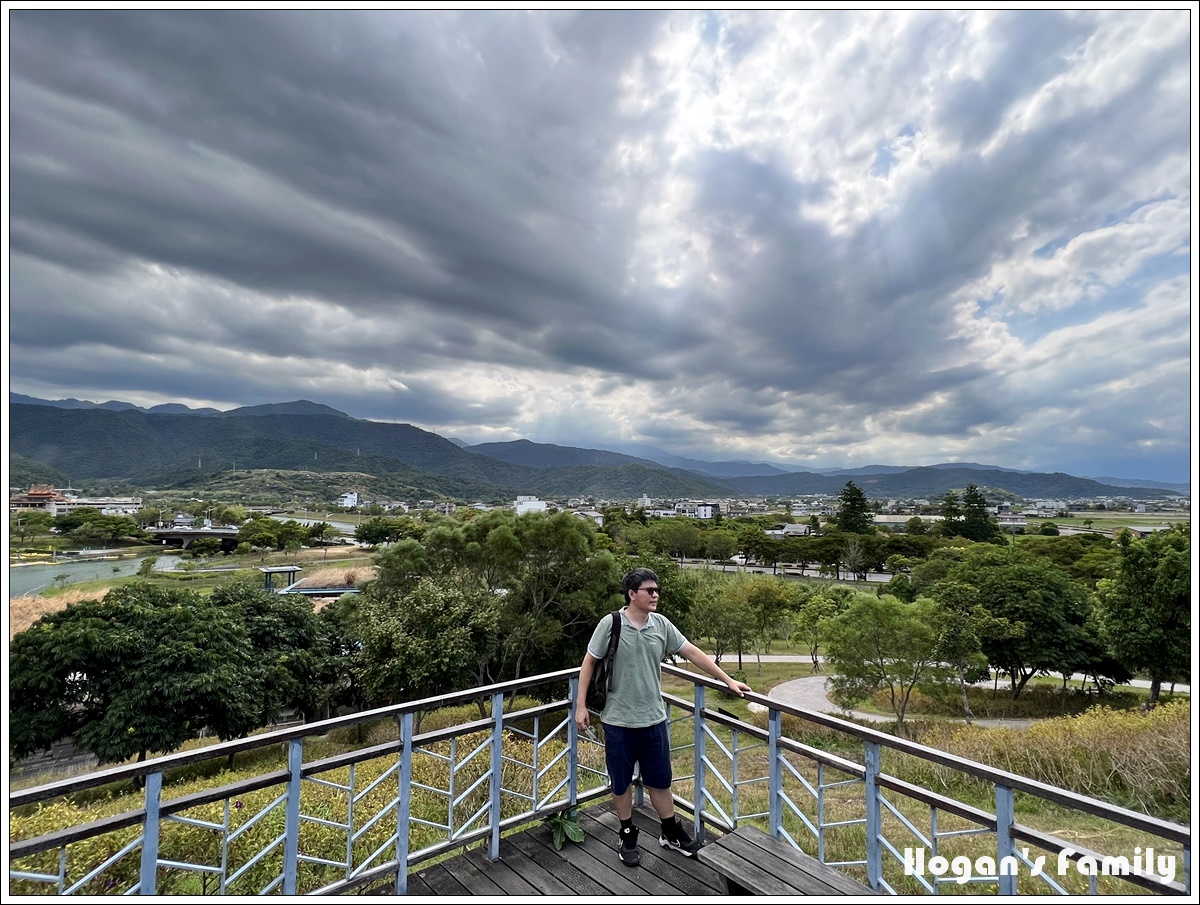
[32, 579]
[24, 580]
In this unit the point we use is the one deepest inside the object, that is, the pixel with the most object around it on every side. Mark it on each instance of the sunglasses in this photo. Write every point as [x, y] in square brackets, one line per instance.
[650, 590]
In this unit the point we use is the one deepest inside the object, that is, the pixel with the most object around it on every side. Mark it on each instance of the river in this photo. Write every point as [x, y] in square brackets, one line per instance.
[344, 527]
[33, 579]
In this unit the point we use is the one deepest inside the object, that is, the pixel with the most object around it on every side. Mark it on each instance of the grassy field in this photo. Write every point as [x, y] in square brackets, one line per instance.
[1110, 521]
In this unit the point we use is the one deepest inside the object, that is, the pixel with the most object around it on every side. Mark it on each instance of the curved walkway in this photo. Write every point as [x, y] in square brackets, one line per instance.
[809, 694]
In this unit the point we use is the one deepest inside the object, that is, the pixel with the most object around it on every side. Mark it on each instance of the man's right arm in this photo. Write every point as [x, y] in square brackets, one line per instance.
[582, 717]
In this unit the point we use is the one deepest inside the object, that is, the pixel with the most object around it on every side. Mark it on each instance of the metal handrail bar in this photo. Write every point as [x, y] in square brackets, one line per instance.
[167, 762]
[1077, 852]
[1173, 831]
[869, 774]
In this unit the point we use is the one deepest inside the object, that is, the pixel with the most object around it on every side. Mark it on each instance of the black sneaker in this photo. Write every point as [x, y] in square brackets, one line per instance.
[677, 838]
[629, 850]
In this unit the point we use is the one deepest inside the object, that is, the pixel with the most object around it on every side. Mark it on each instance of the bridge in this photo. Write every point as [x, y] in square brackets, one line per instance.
[371, 802]
[183, 537]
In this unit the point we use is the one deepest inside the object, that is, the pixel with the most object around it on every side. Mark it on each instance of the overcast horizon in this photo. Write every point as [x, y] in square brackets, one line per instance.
[820, 238]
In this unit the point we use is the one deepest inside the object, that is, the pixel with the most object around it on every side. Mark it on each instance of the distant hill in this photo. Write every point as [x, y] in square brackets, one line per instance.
[1157, 485]
[23, 473]
[166, 449]
[182, 450]
[934, 482]
[169, 408]
[299, 407]
[547, 455]
[896, 469]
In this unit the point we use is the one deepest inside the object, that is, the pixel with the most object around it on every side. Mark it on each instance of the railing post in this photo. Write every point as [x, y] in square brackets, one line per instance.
[404, 803]
[291, 821]
[871, 760]
[697, 757]
[497, 768]
[775, 774]
[1187, 868]
[149, 873]
[572, 745]
[1004, 840]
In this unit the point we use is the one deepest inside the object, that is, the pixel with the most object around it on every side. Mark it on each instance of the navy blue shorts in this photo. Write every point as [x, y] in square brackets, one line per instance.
[649, 746]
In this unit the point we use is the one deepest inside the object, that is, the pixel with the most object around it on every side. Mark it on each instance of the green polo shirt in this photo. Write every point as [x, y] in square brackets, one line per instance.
[636, 697]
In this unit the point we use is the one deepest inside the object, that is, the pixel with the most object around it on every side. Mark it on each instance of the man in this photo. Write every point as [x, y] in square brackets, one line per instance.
[634, 719]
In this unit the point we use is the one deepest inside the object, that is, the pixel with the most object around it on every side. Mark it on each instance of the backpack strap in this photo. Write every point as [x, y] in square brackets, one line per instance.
[613, 640]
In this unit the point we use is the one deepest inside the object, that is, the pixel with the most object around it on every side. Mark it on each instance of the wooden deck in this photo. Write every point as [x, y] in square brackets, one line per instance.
[529, 865]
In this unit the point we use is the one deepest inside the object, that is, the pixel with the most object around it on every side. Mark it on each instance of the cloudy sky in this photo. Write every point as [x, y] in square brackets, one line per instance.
[819, 238]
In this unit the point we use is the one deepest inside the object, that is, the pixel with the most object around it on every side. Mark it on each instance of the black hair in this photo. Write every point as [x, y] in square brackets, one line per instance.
[635, 579]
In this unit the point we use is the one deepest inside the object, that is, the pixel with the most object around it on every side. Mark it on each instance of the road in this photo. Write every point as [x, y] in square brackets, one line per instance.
[782, 571]
[808, 693]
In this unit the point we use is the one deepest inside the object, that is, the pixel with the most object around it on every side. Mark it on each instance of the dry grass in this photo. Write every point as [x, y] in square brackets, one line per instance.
[343, 577]
[1138, 760]
[25, 611]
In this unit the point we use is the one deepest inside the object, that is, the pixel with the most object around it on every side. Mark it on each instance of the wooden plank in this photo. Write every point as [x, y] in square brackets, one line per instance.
[739, 871]
[794, 863]
[416, 887]
[442, 882]
[781, 862]
[579, 883]
[502, 873]
[543, 881]
[687, 875]
[605, 868]
[752, 859]
[479, 882]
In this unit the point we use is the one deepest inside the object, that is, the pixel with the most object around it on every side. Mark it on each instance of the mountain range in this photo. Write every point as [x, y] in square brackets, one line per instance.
[175, 447]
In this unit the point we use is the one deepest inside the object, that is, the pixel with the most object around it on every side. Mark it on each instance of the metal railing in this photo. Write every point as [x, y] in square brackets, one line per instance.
[361, 815]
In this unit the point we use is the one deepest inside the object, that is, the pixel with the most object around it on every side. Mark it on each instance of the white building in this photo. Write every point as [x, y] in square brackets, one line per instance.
[592, 514]
[348, 500]
[692, 509]
[526, 504]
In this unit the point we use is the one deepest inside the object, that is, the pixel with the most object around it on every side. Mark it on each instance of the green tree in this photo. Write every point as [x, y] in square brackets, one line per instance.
[770, 601]
[854, 514]
[375, 531]
[723, 617]
[677, 537]
[294, 652]
[720, 544]
[440, 637]
[205, 546]
[977, 524]
[1144, 611]
[140, 671]
[854, 558]
[808, 624]
[1043, 612]
[962, 623]
[69, 521]
[952, 515]
[260, 534]
[560, 587]
[24, 524]
[881, 644]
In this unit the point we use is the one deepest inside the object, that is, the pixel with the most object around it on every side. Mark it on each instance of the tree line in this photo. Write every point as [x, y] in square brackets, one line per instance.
[494, 597]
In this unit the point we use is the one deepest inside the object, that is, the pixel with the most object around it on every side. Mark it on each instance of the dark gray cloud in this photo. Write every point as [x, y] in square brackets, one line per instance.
[835, 238]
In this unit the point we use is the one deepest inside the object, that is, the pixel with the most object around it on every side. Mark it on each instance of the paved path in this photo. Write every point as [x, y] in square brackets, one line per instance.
[809, 693]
